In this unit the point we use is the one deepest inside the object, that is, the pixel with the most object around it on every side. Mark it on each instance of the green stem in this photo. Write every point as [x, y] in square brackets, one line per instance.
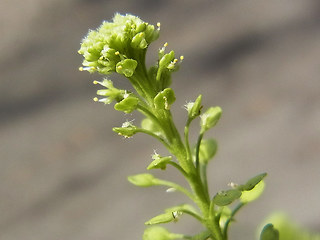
[177, 187]
[213, 223]
[198, 151]
[177, 166]
[154, 135]
[203, 172]
[186, 140]
[233, 213]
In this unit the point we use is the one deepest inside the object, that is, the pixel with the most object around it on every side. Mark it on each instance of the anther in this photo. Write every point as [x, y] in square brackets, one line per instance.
[95, 99]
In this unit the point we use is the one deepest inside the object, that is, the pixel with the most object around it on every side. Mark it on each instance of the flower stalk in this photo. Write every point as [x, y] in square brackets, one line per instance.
[120, 46]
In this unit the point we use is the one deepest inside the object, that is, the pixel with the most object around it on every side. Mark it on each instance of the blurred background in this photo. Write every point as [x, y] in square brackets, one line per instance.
[62, 169]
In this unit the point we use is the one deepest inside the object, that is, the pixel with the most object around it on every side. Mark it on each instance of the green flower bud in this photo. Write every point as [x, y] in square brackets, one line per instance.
[126, 67]
[127, 130]
[194, 108]
[128, 104]
[164, 63]
[159, 233]
[164, 99]
[210, 118]
[143, 180]
[139, 41]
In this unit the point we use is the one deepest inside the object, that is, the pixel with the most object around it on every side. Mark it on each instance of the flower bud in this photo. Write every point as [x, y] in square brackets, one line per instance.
[210, 118]
[139, 41]
[164, 63]
[194, 108]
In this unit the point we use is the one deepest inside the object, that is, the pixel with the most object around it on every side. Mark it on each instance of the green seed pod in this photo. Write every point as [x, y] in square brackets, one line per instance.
[143, 180]
[210, 118]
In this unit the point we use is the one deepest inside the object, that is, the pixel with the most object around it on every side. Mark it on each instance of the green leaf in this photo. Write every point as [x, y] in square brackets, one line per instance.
[143, 180]
[164, 99]
[253, 194]
[269, 233]
[251, 183]
[224, 198]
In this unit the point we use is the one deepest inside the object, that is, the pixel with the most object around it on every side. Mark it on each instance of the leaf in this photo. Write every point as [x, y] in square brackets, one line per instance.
[269, 233]
[251, 183]
[224, 198]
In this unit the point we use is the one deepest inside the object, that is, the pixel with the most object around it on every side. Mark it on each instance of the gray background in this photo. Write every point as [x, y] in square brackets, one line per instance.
[62, 169]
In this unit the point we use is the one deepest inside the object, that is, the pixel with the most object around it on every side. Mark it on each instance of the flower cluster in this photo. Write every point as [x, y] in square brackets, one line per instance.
[116, 45]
